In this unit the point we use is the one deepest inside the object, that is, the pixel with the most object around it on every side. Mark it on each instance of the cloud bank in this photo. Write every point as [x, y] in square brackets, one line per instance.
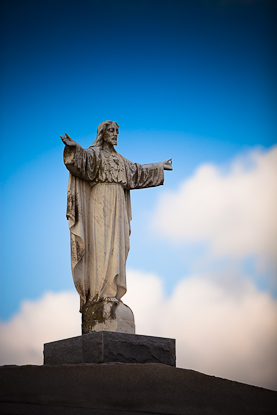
[232, 210]
[53, 317]
[220, 331]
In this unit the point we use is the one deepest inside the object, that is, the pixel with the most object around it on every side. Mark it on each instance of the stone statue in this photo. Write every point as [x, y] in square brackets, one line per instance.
[99, 215]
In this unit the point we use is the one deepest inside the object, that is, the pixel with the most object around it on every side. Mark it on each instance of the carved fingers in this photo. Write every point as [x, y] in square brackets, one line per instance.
[67, 140]
[168, 164]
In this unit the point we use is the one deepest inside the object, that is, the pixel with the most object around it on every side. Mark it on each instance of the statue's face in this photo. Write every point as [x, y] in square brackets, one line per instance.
[111, 133]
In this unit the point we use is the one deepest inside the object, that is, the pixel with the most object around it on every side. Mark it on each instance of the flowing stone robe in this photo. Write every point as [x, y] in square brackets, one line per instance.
[99, 214]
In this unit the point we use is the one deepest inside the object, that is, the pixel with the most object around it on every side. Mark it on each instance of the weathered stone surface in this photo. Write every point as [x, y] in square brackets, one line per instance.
[104, 347]
[127, 389]
[99, 215]
[108, 316]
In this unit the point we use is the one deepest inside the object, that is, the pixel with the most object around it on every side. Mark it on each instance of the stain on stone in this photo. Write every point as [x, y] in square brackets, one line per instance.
[93, 314]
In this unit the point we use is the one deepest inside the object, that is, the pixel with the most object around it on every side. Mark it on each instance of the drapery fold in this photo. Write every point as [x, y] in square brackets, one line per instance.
[99, 214]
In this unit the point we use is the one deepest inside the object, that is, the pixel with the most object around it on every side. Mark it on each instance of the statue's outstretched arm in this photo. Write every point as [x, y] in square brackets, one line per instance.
[68, 140]
[168, 164]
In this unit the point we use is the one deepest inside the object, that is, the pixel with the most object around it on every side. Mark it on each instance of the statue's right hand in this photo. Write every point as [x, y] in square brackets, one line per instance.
[68, 140]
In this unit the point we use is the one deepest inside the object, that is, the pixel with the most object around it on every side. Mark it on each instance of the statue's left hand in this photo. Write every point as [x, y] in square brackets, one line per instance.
[68, 140]
[168, 164]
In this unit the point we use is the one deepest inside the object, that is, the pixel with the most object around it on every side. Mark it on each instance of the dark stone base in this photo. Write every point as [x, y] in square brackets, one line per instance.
[105, 347]
[127, 389]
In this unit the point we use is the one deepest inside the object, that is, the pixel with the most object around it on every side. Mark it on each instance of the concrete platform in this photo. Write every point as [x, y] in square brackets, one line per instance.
[105, 347]
[127, 389]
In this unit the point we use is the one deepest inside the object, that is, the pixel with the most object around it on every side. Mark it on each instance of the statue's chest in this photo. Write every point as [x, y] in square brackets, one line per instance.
[113, 167]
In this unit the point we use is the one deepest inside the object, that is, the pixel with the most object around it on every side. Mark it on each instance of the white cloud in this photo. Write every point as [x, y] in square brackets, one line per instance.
[233, 211]
[220, 329]
[53, 317]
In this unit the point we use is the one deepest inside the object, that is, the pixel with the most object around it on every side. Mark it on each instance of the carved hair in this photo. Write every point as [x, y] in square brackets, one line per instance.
[101, 129]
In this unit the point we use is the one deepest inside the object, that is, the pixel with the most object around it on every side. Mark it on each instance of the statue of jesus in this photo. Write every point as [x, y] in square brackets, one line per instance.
[99, 212]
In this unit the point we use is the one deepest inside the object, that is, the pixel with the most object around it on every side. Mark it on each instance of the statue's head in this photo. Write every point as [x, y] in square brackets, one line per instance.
[106, 131]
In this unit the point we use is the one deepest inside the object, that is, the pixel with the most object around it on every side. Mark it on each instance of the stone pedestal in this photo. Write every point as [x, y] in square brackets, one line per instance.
[108, 316]
[126, 389]
[106, 347]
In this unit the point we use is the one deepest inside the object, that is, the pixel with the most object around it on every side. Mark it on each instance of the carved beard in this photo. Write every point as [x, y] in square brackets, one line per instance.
[111, 140]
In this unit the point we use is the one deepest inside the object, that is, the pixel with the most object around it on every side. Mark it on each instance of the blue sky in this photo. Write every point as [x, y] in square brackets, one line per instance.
[191, 80]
